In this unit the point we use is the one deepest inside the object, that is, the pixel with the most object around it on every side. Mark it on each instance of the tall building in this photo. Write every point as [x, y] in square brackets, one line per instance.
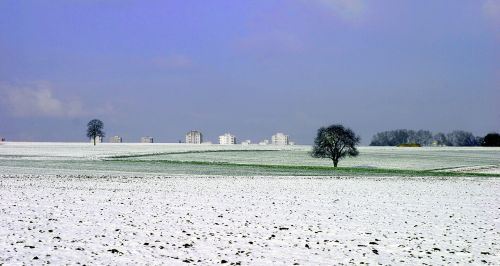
[194, 137]
[227, 139]
[147, 139]
[116, 139]
[280, 139]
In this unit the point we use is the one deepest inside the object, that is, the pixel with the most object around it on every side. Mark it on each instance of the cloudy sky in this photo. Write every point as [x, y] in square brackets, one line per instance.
[252, 68]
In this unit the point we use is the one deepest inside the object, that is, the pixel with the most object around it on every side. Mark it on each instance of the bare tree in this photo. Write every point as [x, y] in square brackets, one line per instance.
[95, 129]
[335, 142]
[440, 139]
[461, 138]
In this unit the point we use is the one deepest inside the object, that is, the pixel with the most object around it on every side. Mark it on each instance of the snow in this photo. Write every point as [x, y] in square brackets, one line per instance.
[64, 203]
[72, 151]
[258, 221]
[427, 158]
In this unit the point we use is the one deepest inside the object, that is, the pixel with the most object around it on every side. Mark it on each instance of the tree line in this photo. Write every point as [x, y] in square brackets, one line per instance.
[337, 142]
[426, 138]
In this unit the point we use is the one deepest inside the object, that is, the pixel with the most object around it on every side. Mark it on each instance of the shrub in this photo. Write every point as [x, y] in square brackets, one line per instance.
[409, 145]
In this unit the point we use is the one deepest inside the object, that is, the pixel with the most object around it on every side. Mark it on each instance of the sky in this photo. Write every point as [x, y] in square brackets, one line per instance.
[251, 68]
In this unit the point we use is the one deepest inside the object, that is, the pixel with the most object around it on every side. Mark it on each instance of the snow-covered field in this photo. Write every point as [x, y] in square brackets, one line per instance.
[87, 151]
[65, 204]
[474, 159]
[257, 221]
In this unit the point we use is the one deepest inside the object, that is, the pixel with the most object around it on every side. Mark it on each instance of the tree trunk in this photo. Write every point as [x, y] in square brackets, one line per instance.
[335, 162]
[94, 140]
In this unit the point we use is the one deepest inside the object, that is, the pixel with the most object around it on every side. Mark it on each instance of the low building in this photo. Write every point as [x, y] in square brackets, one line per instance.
[280, 139]
[147, 139]
[194, 137]
[246, 142]
[116, 139]
[227, 139]
[98, 139]
[264, 142]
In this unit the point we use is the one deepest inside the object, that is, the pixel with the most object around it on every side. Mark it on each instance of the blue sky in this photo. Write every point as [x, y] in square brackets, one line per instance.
[253, 68]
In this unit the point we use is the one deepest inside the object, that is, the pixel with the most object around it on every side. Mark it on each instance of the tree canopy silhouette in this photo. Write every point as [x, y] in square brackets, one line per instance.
[335, 142]
[95, 129]
[492, 140]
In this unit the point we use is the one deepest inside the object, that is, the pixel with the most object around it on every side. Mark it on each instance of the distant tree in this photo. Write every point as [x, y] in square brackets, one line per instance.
[479, 140]
[461, 138]
[440, 139]
[423, 137]
[95, 129]
[491, 140]
[390, 138]
[380, 139]
[402, 136]
[335, 142]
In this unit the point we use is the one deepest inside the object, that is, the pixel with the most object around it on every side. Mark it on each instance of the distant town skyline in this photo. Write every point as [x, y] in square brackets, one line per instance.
[252, 68]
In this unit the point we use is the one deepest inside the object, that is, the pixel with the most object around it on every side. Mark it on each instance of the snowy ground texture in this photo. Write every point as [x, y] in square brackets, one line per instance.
[69, 204]
[257, 221]
[83, 158]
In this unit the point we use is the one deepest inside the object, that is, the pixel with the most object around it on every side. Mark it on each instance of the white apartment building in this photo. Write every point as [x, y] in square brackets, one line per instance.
[227, 139]
[147, 139]
[280, 139]
[194, 137]
[116, 139]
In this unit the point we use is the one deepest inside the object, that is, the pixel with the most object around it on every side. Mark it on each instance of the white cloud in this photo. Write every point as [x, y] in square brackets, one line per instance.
[350, 10]
[491, 9]
[38, 99]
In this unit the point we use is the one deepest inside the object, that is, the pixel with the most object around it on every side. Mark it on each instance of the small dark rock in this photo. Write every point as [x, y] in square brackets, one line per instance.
[114, 250]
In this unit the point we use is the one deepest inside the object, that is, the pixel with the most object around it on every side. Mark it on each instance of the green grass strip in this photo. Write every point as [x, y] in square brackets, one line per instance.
[317, 170]
[181, 152]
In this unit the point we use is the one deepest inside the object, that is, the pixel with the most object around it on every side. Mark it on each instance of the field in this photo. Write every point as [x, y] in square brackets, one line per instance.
[238, 205]
[238, 160]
